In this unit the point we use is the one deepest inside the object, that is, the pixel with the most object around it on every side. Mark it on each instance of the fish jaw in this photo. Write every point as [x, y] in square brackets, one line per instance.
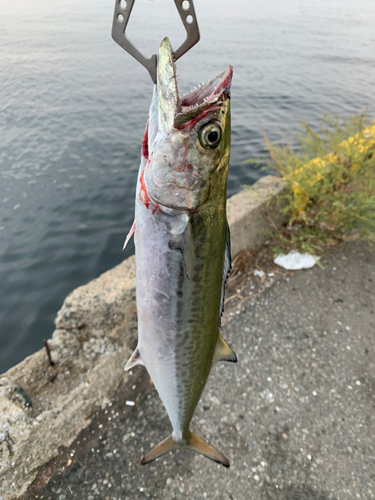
[181, 171]
[167, 86]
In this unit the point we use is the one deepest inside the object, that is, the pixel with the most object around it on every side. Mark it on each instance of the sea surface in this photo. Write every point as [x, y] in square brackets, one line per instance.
[73, 107]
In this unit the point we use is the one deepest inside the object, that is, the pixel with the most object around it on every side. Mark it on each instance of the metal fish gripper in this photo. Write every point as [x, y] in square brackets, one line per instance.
[123, 9]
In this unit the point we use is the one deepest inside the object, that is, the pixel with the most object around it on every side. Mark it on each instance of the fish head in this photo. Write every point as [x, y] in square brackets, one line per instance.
[188, 139]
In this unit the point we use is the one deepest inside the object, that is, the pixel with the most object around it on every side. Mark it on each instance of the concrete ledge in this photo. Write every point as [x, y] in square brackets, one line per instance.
[95, 327]
[255, 212]
[43, 407]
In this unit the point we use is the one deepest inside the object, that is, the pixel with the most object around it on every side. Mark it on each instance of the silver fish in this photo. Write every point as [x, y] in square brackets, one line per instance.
[182, 246]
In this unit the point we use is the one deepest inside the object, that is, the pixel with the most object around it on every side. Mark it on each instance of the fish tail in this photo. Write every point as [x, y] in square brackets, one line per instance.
[198, 445]
[160, 449]
[192, 443]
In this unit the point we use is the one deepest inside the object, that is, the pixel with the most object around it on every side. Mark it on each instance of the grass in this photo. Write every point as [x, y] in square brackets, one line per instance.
[330, 183]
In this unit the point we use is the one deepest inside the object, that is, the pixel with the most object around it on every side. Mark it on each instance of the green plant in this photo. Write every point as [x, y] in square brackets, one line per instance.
[330, 183]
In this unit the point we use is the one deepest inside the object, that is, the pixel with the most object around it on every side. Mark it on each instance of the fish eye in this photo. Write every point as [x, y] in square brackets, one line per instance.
[210, 135]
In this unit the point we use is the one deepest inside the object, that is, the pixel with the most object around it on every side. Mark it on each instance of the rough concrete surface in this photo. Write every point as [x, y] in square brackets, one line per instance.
[295, 416]
[95, 328]
[43, 406]
[254, 212]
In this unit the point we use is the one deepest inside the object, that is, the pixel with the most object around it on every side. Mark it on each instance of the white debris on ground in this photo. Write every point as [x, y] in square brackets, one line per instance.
[258, 273]
[294, 260]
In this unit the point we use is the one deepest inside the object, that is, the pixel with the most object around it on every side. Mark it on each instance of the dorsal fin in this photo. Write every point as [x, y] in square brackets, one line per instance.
[223, 352]
[134, 360]
[226, 270]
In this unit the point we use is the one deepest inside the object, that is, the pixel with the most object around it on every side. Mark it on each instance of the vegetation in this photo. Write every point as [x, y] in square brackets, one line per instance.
[330, 184]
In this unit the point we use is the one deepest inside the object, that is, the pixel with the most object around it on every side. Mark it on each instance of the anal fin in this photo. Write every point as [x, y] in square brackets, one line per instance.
[223, 352]
[192, 443]
[134, 360]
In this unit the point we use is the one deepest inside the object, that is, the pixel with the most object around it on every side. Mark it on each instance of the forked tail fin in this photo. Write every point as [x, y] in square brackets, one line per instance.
[200, 446]
[192, 443]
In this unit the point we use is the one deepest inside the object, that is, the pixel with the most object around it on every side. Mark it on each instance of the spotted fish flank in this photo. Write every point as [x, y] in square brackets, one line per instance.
[182, 246]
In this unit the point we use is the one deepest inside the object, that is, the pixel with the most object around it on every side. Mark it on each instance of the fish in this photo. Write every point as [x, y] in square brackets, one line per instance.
[182, 246]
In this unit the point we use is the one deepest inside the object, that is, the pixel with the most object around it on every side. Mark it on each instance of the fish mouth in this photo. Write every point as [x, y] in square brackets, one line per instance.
[176, 111]
[199, 99]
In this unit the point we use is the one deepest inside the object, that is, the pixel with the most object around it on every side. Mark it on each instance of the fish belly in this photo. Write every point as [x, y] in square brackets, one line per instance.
[177, 314]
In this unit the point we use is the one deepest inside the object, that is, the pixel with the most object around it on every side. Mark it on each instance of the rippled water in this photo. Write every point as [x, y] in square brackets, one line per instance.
[74, 106]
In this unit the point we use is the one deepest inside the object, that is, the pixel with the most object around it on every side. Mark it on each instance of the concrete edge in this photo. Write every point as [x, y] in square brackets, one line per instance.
[43, 407]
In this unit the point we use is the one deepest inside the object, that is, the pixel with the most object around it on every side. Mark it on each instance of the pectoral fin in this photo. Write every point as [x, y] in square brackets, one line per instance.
[134, 360]
[226, 269]
[130, 233]
[192, 443]
[188, 251]
[223, 352]
[183, 241]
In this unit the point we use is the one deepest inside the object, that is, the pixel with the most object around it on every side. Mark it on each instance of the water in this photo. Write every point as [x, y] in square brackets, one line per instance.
[74, 106]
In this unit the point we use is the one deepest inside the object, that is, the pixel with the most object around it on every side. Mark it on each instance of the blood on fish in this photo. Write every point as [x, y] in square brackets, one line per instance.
[188, 126]
[226, 82]
[146, 199]
[190, 166]
[143, 195]
[180, 168]
[144, 149]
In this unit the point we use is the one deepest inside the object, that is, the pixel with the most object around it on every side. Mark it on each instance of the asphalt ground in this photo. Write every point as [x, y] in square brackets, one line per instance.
[295, 416]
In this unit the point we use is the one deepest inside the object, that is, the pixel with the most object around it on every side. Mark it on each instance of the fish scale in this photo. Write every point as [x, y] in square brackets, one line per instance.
[182, 246]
